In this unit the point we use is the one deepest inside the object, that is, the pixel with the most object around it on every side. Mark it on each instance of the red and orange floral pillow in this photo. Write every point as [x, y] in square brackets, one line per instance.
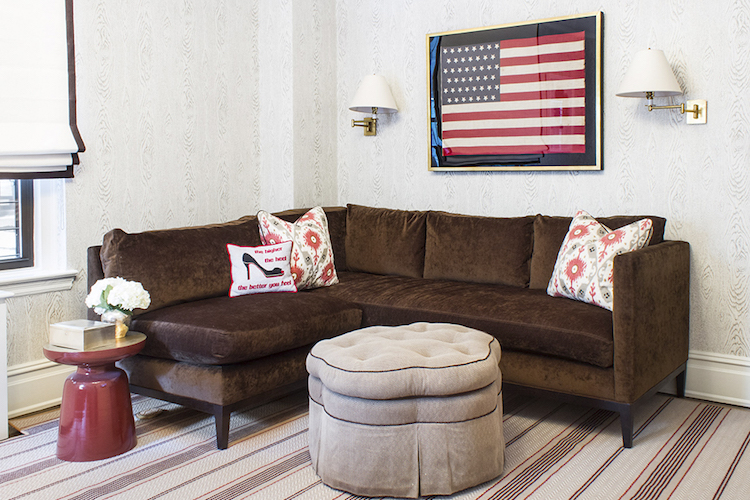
[312, 253]
[585, 264]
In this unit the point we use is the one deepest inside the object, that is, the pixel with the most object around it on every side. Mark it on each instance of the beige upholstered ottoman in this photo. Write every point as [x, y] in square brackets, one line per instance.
[406, 411]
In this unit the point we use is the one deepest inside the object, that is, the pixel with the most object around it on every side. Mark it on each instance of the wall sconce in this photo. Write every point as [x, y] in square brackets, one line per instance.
[651, 76]
[373, 95]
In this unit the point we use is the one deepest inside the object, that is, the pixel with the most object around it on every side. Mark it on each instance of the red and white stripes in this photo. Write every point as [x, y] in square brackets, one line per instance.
[534, 105]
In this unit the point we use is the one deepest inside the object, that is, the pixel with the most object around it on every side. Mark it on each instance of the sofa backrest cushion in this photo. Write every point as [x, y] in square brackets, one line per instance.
[177, 265]
[549, 233]
[479, 249]
[385, 241]
[336, 227]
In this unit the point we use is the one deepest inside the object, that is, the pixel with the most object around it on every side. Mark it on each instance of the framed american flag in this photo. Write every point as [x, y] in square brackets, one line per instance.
[521, 96]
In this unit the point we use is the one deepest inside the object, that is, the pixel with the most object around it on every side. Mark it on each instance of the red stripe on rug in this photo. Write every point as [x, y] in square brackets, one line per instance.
[533, 426]
[571, 458]
[665, 470]
[261, 475]
[548, 459]
[143, 472]
[614, 456]
[210, 444]
[216, 469]
[658, 452]
[730, 471]
[699, 453]
[305, 490]
[301, 467]
[660, 478]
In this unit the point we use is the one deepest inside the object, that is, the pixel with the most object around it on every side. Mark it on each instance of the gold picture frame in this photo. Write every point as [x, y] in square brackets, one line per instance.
[521, 96]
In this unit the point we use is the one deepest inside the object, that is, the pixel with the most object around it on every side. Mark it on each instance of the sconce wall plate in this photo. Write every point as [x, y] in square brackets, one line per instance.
[702, 111]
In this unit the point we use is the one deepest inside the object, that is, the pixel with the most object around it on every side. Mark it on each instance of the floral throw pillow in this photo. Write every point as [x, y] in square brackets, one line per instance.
[585, 264]
[312, 253]
[260, 269]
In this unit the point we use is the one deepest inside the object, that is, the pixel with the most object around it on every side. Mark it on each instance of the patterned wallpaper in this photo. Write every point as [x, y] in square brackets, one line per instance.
[696, 176]
[197, 111]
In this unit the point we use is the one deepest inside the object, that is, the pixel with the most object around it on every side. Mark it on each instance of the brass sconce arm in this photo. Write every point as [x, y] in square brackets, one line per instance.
[695, 109]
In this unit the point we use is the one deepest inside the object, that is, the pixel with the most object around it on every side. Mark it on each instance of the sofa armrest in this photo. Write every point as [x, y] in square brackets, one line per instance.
[94, 272]
[650, 316]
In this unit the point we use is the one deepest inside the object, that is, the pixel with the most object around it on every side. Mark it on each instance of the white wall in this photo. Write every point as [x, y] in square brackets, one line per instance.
[695, 176]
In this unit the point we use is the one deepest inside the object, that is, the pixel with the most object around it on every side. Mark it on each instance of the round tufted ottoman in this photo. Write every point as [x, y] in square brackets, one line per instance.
[406, 411]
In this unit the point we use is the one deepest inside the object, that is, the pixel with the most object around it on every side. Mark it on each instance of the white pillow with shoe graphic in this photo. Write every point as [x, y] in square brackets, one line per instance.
[260, 269]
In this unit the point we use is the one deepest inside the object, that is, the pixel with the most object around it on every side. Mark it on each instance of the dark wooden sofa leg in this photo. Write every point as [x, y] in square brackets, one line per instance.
[626, 423]
[223, 413]
[222, 416]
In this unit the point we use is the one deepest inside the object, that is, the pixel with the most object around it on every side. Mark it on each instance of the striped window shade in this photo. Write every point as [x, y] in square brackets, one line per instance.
[38, 134]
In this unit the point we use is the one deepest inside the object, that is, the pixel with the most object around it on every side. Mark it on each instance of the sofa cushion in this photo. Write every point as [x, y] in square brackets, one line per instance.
[177, 265]
[225, 330]
[336, 229]
[585, 265]
[312, 255]
[479, 249]
[549, 233]
[520, 318]
[385, 241]
[260, 269]
[217, 384]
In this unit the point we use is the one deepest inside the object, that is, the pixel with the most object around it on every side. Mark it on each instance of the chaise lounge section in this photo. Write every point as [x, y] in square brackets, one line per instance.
[218, 354]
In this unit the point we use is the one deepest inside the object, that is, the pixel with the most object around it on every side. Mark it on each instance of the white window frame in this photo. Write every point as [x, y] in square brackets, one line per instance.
[50, 272]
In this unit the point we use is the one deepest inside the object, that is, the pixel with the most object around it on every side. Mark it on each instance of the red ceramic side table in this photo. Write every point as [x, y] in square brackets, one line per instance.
[96, 415]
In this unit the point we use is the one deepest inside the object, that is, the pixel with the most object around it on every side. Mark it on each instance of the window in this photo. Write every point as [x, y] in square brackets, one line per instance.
[16, 223]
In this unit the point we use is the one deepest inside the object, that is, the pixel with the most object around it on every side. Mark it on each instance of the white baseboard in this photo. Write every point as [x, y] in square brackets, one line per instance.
[35, 386]
[718, 377]
[722, 378]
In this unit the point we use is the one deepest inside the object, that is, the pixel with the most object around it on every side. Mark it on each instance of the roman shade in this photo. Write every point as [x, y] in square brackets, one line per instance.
[38, 134]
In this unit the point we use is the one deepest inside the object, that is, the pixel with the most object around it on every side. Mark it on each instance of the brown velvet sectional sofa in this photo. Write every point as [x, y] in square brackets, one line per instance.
[218, 354]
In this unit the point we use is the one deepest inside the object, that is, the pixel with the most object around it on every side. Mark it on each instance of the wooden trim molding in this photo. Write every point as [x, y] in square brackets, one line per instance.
[35, 386]
[718, 377]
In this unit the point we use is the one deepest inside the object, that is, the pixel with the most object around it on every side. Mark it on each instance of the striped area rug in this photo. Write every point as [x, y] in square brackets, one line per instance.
[684, 449]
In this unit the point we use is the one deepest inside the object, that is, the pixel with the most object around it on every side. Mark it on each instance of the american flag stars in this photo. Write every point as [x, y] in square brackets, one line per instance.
[475, 61]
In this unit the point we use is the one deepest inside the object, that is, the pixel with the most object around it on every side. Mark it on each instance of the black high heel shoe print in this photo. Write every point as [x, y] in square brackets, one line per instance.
[248, 259]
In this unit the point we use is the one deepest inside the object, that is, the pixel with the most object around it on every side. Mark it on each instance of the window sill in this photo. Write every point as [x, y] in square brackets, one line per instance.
[30, 282]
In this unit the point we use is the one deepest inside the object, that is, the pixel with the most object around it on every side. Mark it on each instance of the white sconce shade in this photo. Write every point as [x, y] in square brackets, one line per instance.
[373, 96]
[649, 73]
[373, 92]
[651, 76]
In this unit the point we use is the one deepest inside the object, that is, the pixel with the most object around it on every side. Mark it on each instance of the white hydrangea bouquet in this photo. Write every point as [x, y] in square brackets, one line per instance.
[115, 299]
